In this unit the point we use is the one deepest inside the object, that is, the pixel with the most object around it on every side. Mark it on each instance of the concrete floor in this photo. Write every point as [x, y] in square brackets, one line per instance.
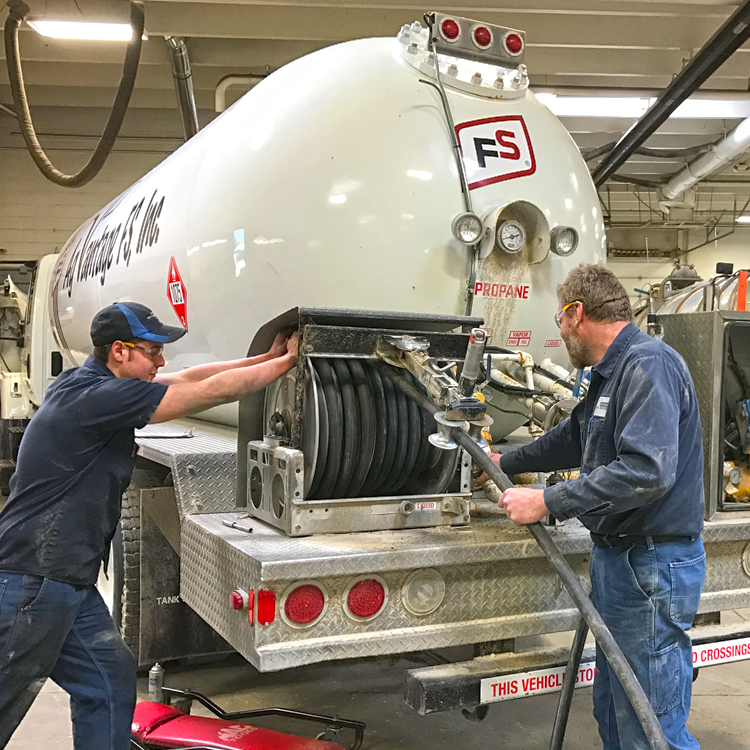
[370, 690]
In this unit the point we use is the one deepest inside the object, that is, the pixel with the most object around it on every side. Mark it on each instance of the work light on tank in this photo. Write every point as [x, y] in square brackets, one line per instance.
[564, 241]
[467, 228]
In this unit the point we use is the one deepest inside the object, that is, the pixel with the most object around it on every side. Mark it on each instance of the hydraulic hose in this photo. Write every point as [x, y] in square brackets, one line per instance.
[18, 11]
[569, 683]
[604, 638]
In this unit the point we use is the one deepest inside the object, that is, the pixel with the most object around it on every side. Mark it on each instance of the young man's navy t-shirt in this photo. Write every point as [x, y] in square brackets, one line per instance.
[76, 460]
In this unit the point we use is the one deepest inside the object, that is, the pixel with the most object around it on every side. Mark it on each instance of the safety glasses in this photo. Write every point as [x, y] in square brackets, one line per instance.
[152, 352]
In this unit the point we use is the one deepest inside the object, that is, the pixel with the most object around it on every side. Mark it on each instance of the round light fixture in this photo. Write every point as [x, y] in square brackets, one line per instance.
[467, 228]
[450, 30]
[423, 592]
[482, 37]
[563, 241]
[513, 44]
[303, 604]
[511, 237]
[365, 597]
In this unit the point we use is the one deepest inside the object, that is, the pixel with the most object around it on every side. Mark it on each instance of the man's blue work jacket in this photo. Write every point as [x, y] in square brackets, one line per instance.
[75, 461]
[637, 440]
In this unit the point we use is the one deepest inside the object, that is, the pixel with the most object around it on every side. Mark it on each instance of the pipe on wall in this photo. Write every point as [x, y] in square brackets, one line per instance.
[220, 96]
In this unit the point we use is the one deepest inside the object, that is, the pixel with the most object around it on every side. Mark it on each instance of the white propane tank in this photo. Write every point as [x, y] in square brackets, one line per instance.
[333, 183]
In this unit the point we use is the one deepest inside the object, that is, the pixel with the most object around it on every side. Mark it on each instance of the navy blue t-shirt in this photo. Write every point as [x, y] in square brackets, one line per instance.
[75, 461]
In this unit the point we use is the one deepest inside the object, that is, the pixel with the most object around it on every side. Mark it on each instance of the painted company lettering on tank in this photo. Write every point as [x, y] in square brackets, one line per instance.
[107, 243]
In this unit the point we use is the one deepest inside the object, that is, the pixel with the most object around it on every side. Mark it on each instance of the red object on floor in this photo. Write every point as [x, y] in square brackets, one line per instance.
[157, 725]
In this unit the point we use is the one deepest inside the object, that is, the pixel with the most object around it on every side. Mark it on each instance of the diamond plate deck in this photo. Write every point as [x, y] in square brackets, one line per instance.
[498, 584]
[202, 458]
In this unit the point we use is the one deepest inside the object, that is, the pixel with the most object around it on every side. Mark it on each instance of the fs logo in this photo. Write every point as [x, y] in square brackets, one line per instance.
[495, 149]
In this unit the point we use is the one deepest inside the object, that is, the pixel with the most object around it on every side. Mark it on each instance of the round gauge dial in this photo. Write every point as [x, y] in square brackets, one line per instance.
[511, 237]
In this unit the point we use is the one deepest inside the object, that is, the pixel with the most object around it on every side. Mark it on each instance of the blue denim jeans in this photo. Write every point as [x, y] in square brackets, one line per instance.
[52, 629]
[648, 596]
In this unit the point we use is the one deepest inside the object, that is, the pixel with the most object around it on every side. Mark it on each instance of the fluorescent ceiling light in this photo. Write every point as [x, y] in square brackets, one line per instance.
[105, 32]
[743, 219]
[697, 107]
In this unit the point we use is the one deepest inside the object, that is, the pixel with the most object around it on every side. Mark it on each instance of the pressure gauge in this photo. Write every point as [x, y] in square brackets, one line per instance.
[511, 237]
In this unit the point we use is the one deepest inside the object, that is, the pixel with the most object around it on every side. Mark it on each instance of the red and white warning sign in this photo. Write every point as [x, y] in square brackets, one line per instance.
[552, 342]
[519, 338]
[177, 293]
[512, 291]
[495, 149]
[539, 681]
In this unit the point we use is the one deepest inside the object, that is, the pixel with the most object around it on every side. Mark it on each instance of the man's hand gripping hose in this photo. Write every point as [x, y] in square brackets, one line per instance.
[590, 615]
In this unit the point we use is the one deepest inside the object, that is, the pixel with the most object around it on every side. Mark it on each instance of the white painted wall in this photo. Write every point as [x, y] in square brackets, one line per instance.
[37, 216]
[732, 249]
[636, 273]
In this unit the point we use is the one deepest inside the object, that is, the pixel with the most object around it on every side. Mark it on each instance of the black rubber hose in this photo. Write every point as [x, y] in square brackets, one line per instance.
[402, 437]
[322, 458]
[413, 445]
[392, 425]
[18, 11]
[335, 428]
[381, 430]
[351, 429]
[569, 683]
[604, 638]
[367, 427]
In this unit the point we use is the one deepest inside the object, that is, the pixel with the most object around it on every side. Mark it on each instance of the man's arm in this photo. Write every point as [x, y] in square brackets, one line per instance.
[183, 399]
[202, 372]
[646, 438]
[560, 448]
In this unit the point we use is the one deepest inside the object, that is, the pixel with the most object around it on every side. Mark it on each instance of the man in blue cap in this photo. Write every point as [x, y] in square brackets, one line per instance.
[75, 461]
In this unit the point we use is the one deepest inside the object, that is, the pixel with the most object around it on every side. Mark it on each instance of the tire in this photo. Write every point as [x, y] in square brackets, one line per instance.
[126, 551]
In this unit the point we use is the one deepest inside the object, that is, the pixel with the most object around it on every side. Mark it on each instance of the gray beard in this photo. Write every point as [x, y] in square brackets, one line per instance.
[579, 351]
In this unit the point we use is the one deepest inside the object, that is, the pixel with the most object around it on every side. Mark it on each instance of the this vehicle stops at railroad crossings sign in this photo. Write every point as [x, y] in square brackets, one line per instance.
[177, 293]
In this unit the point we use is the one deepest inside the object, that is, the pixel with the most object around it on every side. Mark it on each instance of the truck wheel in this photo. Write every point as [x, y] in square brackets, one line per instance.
[126, 554]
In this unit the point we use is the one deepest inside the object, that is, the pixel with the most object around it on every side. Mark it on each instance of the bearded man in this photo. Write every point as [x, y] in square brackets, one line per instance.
[636, 437]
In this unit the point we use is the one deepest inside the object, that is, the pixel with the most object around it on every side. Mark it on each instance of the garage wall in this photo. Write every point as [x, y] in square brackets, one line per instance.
[36, 216]
[732, 249]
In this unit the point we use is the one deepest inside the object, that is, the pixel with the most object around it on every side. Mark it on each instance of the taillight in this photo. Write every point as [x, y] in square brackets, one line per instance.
[450, 29]
[266, 606]
[513, 43]
[303, 604]
[251, 606]
[482, 37]
[423, 592]
[365, 597]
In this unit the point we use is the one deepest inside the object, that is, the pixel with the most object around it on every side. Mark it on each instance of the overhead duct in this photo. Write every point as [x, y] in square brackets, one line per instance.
[719, 155]
[183, 85]
[220, 96]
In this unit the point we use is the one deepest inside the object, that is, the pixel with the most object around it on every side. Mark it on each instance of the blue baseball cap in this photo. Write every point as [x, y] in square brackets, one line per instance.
[125, 321]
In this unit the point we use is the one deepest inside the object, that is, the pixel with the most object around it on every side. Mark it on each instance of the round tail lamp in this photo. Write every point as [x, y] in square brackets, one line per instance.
[482, 37]
[513, 44]
[303, 604]
[450, 30]
[365, 597]
[423, 592]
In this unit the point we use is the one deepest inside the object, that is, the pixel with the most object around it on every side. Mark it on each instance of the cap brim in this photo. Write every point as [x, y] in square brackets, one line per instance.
[164, 334]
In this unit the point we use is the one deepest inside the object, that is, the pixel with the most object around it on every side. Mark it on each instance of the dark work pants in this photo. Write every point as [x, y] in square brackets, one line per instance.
[648, 596]
[64, 632]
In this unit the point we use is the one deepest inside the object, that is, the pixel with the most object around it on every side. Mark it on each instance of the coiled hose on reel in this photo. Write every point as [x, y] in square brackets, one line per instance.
[16, 15]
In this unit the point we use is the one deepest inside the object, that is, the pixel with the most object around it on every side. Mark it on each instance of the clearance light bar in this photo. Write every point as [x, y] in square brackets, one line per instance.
[483, 42]
[84, 30]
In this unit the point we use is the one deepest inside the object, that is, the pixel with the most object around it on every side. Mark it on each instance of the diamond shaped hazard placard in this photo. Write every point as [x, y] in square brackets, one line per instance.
[177, 293]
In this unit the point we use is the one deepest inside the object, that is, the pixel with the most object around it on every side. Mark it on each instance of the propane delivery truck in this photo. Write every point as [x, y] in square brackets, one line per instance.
[398, 202]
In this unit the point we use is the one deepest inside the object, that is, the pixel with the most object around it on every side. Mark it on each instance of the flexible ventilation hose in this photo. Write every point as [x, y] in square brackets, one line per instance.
[18, 11]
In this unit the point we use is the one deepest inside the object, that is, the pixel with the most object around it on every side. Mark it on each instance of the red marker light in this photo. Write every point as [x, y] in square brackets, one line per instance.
[251, 606]
[237, 599]
[482, 36]
[366, 598]
[266, 606]
[305, 604]
[513, 43]
[450, 29]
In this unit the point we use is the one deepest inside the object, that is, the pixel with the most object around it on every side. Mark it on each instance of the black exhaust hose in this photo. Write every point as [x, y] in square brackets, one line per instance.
[569, 683]
[591, 616]
[18, 11]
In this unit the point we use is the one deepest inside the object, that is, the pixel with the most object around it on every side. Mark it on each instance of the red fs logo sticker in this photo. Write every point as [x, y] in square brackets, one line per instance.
[495, 149]
[177, 293]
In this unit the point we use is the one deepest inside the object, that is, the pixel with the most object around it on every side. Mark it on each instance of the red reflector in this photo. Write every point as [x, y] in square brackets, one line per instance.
[251, 606]
[366, 598]
[236, 599]
[305, 604]
[266, 606]
[513, 43]
[482, 36]
[450, 29]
